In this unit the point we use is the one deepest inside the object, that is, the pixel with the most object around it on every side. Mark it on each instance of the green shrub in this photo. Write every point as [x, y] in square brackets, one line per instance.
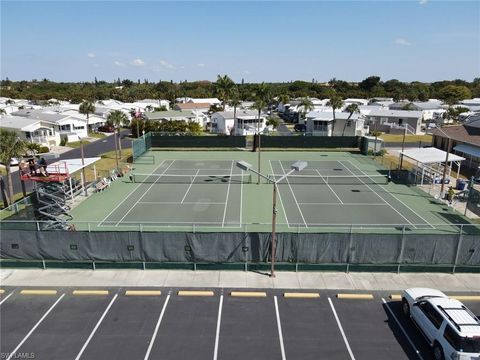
[64, 142]
[43, 149]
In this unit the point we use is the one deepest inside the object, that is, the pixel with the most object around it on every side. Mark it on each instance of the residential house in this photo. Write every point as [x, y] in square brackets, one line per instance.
[211, 101]
[394, 121]
[432, 110]
[245, 123]
[33, 130]
[355, 101]
[68, 126]
[465, 141]
[321, 123]
[190, 106]
[175, 115]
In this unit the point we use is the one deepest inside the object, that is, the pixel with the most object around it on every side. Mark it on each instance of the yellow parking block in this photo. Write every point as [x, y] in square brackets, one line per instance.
[2, 291]
[301, 295]
[395, 297]
[465, 297]
[248, 294]
[143, 293]
[355, 296]
[195, 293]
[90, 292]
[38, 292]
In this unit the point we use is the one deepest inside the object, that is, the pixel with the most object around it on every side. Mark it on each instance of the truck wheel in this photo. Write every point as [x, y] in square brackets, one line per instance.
[438, 352]
[405, 308]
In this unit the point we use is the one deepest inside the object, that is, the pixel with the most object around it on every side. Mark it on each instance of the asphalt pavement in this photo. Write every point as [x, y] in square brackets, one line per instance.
[185, 323]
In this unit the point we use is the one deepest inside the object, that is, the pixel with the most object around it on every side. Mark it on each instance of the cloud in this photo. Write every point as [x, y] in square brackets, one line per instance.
[118, 63]
[138, 62]
[423, 2]
[246, 72]
[166, 64]
[96, 65]
[201, 65]
[91, 55]
[403, 42]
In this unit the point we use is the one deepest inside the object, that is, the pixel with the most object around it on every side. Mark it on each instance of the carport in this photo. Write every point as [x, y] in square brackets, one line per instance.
[429, 163]
[471, 152]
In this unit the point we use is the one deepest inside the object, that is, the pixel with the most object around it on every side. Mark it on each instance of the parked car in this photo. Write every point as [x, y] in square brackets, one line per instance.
[106, 129]
[300, 127]
[449, 327]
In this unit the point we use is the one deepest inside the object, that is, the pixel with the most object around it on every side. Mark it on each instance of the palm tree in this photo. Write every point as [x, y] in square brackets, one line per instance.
[261, 101]
[352, 108]
[86, 108]
[235, 101]
[223, 87]
[307, 105]
[117, 119]
[11, 146]
[335, 102]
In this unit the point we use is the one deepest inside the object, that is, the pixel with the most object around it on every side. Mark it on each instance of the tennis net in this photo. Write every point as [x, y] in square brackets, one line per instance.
[191, 179]
[333, 179]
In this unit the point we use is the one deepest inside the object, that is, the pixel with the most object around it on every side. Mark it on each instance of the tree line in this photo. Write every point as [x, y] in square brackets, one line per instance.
[129, 91]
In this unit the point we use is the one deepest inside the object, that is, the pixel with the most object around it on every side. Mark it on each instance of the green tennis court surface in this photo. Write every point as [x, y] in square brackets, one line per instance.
[206, 191]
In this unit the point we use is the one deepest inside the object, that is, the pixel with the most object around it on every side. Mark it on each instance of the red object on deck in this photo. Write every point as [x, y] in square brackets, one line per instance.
[56, 173]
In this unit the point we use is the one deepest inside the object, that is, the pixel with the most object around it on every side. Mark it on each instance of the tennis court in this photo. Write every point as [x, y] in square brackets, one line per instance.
[206, 191]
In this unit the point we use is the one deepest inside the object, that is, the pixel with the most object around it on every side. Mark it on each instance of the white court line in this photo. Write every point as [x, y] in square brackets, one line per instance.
[349, 204]
[408, 207]
[157, 326]
[326, 182]
[14, 351]
[217, 333]
[188, 190]
[376, 193]
[280, 198]
[116, 207]
[417, 352]
[145, 193]
[177, 203]
[279, 325]
[228, 194]
[293, 194]
[6, 297]
[96, 327]
[341, 329]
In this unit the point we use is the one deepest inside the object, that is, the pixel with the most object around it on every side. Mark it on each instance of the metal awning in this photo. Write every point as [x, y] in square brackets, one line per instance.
[71, 165]
[430, 155]
[468, 149]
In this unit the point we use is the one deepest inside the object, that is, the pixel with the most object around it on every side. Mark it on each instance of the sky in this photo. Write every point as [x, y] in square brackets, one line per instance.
[271, 41]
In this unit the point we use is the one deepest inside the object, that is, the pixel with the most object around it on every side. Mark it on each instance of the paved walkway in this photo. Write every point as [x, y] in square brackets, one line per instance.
[239, 279]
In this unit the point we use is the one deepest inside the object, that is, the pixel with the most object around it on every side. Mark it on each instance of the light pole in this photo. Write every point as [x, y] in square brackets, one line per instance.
[295, 167]
[442, 186]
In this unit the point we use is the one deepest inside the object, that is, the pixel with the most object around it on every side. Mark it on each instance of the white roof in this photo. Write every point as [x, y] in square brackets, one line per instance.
[21, 123]
[72, 165]
[396, 113]
[204, 101]
[430, 155]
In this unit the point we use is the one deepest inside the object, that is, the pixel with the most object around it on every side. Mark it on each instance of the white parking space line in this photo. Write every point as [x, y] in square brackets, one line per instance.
[341, 329]
[417, 352]
[96, 327]
[279, 325]
[217, 334]
[6, 297]
[14, 351]
[157, 326]
[188, 190]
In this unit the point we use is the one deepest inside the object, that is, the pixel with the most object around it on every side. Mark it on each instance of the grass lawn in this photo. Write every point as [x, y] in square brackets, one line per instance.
[96, 135]
[108, 163]
[408, 138]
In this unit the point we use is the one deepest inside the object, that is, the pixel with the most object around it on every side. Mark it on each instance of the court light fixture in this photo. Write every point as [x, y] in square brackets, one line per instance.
[295, 167]
[244, 165]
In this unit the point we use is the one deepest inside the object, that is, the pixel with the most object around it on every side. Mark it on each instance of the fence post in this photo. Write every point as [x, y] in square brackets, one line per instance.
[140, 227]
[89, 229]
[193, 228]
[349, 247]
[43, 264]
[93, 265]
[460, 238]
[400, 256]
[143, 264]
[38, 225]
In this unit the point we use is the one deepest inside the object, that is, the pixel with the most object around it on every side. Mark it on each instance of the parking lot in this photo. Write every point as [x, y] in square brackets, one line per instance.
[174, 323]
